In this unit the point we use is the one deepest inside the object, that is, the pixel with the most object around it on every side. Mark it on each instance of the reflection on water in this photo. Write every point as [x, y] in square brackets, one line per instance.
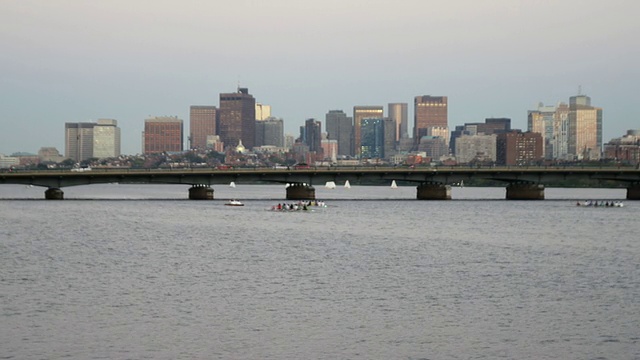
[383, 278]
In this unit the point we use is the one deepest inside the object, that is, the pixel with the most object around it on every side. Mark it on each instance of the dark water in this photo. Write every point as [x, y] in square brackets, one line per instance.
[387, 278]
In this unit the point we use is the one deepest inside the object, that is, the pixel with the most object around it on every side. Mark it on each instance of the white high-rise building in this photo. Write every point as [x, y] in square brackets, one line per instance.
[263, 112]
[541, 121]
[106, 139]
[585, 129]
[560, 141]
[552, 123]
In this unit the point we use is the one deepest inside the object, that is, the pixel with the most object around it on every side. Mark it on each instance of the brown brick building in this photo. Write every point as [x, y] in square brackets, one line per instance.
[625, 149]
[163, 134]
[202, 123]
[429, 111]
[518, 148]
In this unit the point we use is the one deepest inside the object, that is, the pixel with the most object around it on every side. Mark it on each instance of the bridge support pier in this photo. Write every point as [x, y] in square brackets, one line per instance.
[430, 191]
[301, 192]
[200, 192]
[633, 192]
[53, 194]
[525, 191]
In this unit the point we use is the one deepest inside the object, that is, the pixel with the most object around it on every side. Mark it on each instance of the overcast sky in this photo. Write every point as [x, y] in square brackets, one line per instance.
[76, 61]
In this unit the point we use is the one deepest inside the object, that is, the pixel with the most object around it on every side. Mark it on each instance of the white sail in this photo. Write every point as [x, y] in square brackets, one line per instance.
[232, 184]
[347, 185]
[330, 185]
[394, 185]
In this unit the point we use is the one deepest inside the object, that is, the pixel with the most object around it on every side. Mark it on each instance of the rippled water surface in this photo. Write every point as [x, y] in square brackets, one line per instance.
[133, 272]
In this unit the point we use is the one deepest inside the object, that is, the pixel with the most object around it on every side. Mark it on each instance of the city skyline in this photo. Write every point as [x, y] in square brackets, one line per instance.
[380, 111]
[114, 60]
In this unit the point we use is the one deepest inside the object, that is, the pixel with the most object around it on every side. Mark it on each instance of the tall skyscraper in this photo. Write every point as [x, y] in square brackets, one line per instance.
[363, 112]
[429, 111]
[372, 138]
[163, 134]
[263, 112]
[585, 129]
[237, 121]
[340, 128]
[390, 127]
[79, 141]
[399, 113]
[202, 123]
[270, 132]
[106, 139]
[541, 121]
[560, 141]
[313, 135]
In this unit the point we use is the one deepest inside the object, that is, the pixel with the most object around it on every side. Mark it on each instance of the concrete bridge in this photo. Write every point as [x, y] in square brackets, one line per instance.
[432, 183]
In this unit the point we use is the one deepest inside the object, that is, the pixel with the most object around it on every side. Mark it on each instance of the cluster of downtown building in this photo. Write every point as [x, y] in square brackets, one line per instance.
[565, 132]
[239, 124]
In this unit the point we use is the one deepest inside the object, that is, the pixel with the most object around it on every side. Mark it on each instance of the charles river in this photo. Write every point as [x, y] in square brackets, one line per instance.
[139, 272]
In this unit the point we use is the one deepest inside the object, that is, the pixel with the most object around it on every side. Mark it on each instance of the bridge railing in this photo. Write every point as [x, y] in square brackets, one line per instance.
[5, 171]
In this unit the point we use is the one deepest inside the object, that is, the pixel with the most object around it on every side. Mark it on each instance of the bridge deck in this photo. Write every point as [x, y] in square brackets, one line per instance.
[317, 176]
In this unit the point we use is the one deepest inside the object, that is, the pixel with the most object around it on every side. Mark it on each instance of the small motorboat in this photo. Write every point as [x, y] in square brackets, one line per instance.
[234, 202]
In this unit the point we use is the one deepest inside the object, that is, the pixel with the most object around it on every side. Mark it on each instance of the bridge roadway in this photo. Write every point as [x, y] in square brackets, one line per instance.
[433, 183]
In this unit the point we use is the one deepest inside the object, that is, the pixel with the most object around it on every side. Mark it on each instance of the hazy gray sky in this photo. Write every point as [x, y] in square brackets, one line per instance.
[74, 61]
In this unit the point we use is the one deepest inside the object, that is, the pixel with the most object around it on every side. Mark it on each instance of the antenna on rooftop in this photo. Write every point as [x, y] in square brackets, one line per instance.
[579, 90]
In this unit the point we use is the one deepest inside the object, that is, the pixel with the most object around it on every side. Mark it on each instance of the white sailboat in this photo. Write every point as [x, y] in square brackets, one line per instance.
[347, 185]
[232, 184]
[394, 185]
[330, 185]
